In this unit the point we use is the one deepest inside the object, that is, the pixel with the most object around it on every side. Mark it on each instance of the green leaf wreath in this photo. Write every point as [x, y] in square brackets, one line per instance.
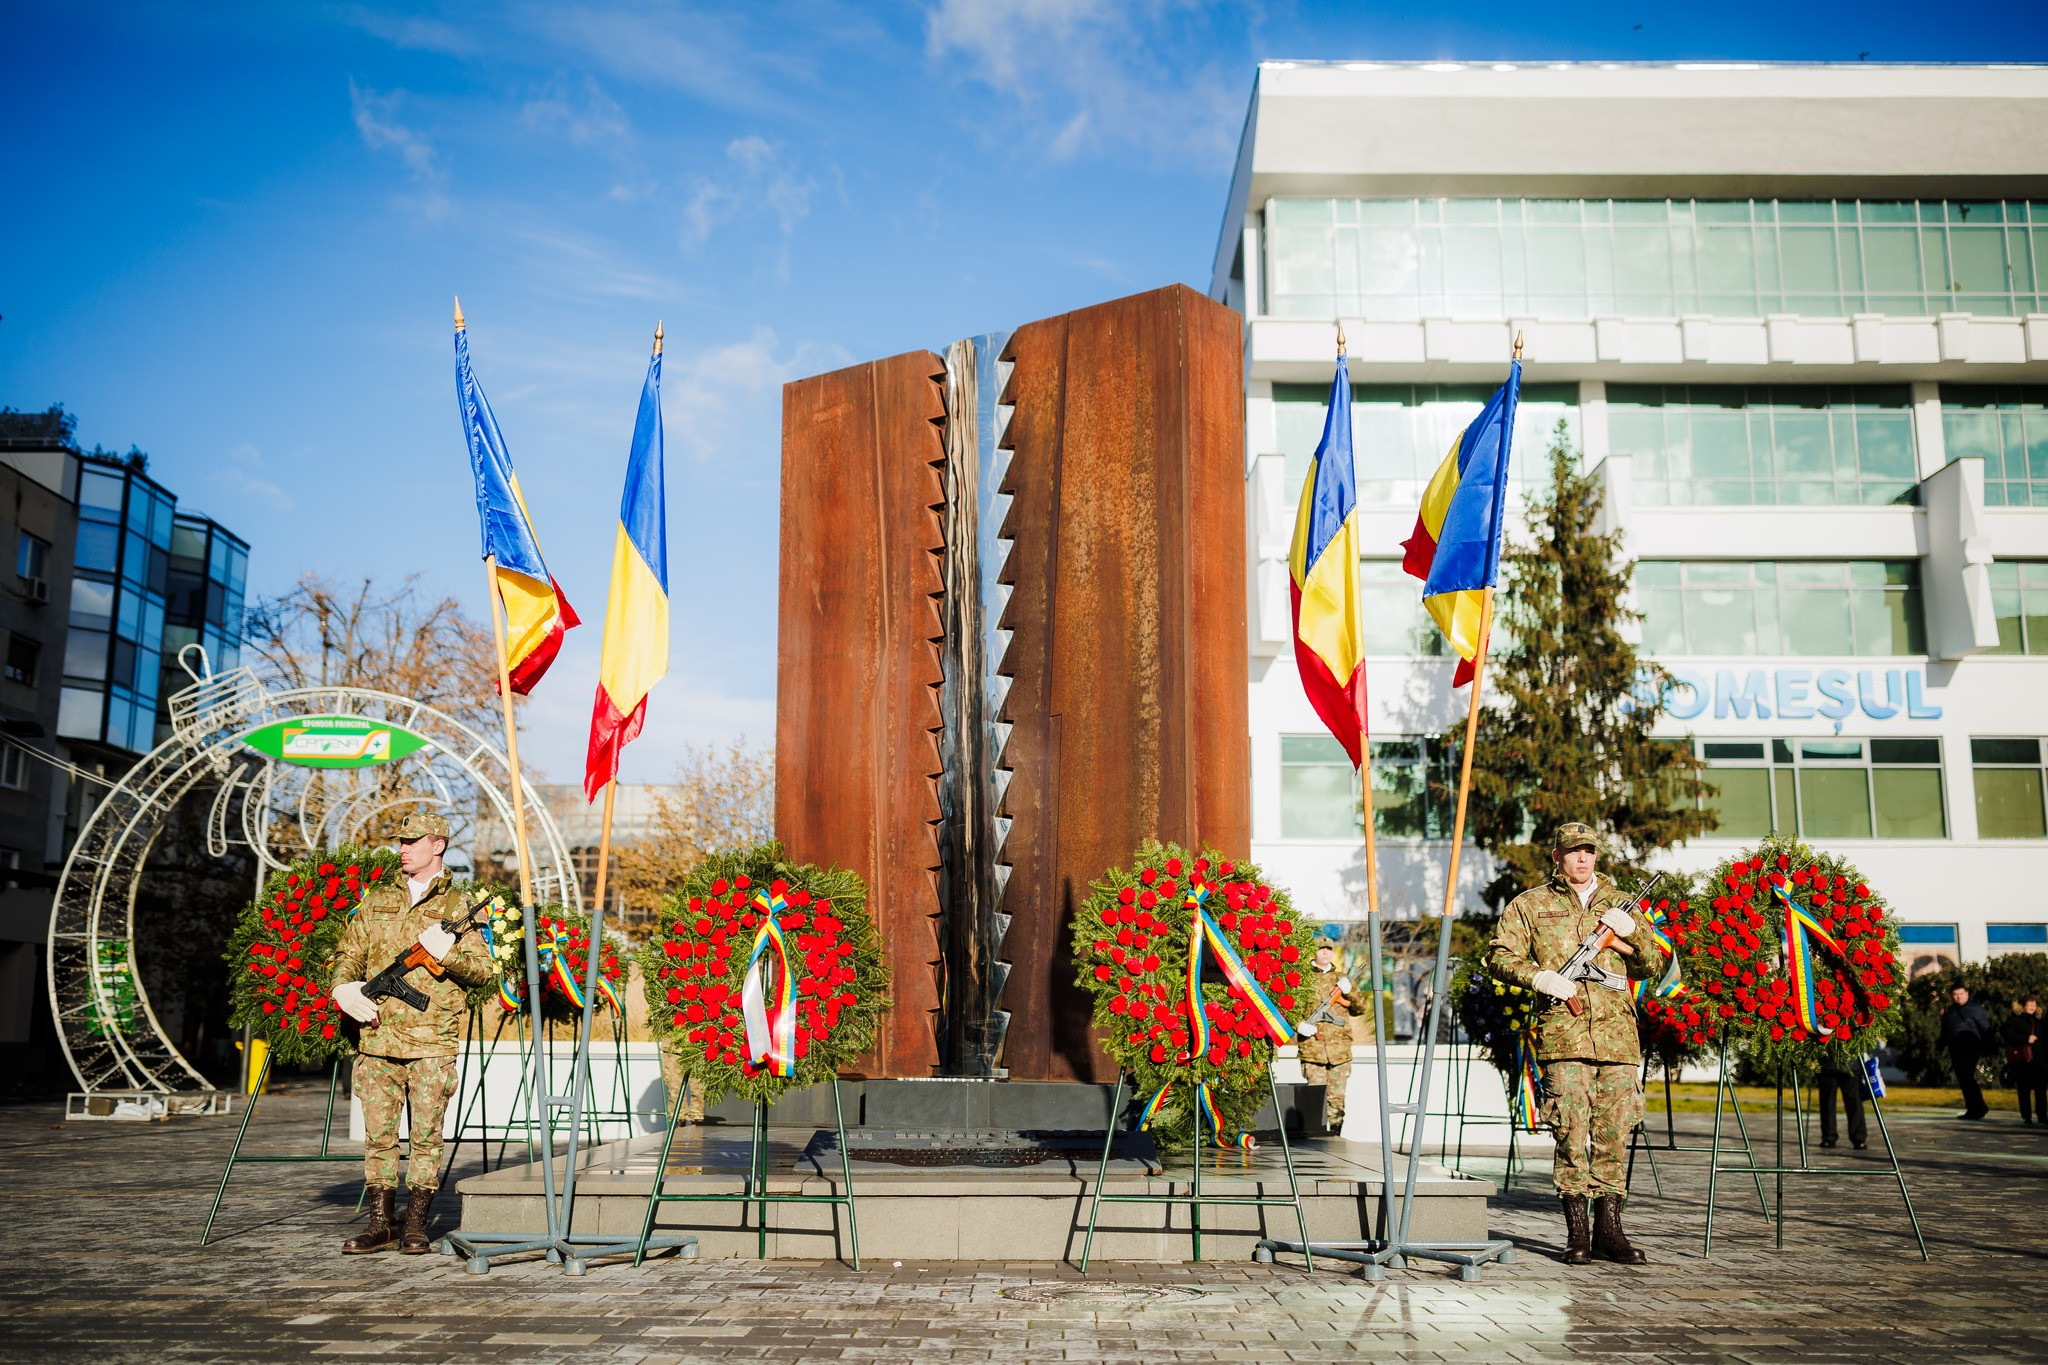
[1132, 938]
[282, 951]
[695, 968]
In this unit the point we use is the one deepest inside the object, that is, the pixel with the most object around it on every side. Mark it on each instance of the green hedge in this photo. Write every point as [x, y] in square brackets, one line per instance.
[1916, 1047]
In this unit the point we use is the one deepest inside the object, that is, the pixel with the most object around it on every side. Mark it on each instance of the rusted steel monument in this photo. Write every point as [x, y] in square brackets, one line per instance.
[1012, 646]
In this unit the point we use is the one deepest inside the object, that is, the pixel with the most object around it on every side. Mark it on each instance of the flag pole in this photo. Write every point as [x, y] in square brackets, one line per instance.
[511, 732]
[1465, 758]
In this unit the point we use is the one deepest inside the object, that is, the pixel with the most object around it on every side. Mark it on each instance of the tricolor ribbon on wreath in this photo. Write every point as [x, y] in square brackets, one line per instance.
[771, 1022]
[552, 944]
[1673, 979]
[1801, 929]
[1529, 1084]
[1205, 1107]
[1201, 930]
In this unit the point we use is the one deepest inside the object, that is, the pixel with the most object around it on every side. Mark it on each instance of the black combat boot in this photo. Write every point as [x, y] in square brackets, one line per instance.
[383, 1229]
[418, 1204]
[1578, 1247]
[1608, 1238]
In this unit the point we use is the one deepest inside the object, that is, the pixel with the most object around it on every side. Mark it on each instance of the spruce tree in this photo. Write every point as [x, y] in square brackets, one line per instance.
[1567, 735]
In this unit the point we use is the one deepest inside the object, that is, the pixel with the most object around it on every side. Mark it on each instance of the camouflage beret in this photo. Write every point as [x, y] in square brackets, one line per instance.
[423, 824]
[1576, 835]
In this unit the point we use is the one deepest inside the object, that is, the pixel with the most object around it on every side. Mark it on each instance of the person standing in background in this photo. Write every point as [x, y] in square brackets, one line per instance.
[2022, 1036]
[1327, 1035]
[1966, 1034]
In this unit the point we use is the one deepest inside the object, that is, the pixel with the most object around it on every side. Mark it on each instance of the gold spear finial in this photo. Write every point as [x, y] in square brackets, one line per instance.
[1518, 343]
[657, 336]
[458, 313]
[1340, 338]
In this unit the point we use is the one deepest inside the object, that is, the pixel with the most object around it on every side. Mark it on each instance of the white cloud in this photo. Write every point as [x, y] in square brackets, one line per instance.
[244, 474]
[581, 265]
[758, 180]
[588, 117]
[1088, 74]
[376, 118]
[727, 400]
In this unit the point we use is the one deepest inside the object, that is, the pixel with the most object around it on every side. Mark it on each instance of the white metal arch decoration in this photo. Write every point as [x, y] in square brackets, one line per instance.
[110, 1034]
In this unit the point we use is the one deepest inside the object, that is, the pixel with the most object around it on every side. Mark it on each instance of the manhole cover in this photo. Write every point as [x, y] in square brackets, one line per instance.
[1100, 1293]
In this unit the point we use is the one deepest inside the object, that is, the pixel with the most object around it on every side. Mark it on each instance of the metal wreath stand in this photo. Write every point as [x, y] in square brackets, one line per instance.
[1779, 1170]
[753, 1185]
[563, 1246]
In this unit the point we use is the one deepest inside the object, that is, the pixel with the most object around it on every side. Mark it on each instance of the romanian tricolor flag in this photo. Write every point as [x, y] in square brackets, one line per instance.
[1456, 546]
[537, 614]
[1329, 617]
[636, 621]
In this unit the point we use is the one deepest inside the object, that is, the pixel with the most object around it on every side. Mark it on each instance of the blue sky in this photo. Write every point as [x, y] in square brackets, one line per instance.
[233, 232]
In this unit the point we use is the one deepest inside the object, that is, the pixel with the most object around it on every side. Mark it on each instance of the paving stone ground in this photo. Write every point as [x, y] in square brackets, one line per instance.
[101, 1228]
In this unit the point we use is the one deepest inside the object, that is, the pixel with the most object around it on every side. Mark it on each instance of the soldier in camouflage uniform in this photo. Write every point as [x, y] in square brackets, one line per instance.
[1591, 1060]
[406, 1056]
[1326, 1035]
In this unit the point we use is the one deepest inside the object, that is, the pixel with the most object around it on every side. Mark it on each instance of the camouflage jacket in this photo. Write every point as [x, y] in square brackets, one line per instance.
[1539, 931]
[387, 925]
[1335, 1035]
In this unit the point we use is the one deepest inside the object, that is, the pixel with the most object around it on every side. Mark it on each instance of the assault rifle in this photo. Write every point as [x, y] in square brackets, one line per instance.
[391, 983]
[1582, 967]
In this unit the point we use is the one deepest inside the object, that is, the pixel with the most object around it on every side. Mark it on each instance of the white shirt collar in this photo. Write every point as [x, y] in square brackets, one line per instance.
[420, 889]
[1586, 896]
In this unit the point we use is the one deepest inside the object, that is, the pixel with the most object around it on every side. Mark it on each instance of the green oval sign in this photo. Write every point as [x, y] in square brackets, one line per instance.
[334, 741]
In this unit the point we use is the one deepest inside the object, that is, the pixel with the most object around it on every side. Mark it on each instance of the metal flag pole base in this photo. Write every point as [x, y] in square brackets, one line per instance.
[1394, 1248]
[1195, 1199]
[1779, 1170]
[235, 1157]
[572, 1251]
[753, 1187]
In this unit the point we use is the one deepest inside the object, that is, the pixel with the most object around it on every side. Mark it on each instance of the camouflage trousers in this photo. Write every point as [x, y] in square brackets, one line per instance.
[1591, 1108]
[1336, 1076]
[387, 1086]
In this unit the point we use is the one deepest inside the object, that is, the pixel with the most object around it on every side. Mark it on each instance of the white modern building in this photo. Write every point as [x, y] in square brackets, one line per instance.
[1796, 320]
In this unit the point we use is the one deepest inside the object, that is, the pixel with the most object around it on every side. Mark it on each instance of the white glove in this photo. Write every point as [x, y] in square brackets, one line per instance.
[1344, 985]
[437, 941]
[1619, 920]
[357, 1006]
[1552, 983]
[1305, 1029]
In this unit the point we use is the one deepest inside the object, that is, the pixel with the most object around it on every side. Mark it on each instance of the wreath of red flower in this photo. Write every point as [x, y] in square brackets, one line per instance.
[695, 969]
[1680, 1027]
[1732, 940]
[553, 924]
[1131, 941]
[282, 950]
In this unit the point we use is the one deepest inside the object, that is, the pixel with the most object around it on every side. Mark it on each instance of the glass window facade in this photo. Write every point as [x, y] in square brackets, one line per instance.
[205, 588]
[138, 564]
[2006, 426]
[2008, 781]
[1412, 781]
[1394, 259]
[1791, 608]
[1826, 788]
[1396, 625]
[1400, 433]
[1735, 445]
[2019, 596]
